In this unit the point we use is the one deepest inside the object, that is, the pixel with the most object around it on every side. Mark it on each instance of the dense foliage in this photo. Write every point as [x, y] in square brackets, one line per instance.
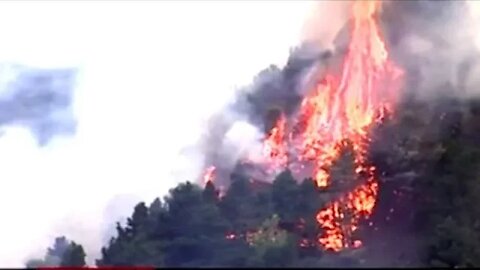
[426, 215]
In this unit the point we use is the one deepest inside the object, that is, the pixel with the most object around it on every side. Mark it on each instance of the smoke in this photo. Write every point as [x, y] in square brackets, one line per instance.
[251, 110]
[324, 22]
[37, 99]
[436, 44]
[158, 97]
[144, 90]
[236, 131]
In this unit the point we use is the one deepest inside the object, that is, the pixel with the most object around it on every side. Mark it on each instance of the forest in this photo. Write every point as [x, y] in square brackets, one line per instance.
[426, 156]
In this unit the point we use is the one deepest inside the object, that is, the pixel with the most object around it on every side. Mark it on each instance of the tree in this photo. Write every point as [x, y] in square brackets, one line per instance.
[447, 196]
[274, 247]
[309, 202]
[54, 254]
[60, 245]
[194, 227]
[134, 245]
[284, 196]
[210, 193]
[74, 256]
[139, 221]
[156, 207]
[238, 205]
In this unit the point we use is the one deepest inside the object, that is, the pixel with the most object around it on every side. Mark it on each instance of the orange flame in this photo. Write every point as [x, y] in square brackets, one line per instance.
[360, 99]
[340, 111]
[274, 147]
[209, 175]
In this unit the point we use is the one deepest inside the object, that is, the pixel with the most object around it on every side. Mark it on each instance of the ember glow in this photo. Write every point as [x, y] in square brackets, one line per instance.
[275, 148]
[338, 114]
[351, 107]
[209, 175]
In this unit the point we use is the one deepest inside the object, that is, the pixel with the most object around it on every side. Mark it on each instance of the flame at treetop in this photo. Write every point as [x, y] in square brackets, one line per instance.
[275, 148]
[339, 112]
[343, 109]
[346, 109]
[209, 175]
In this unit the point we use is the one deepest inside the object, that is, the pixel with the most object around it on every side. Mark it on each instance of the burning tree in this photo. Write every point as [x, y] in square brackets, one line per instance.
[337, 114]
[339, 138]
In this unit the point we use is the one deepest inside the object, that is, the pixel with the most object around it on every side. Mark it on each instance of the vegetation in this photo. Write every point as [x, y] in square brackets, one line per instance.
[63, 253]
[426, 215]
[247, 227]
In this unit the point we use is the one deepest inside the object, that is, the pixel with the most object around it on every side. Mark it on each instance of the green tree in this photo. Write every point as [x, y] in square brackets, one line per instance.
[194, 227]
[448, 195]
[238, 205]
[273, 246]
[54, 254]
[210, 193]
[309, 202]
[74, 256]
[284, 197]
[60, 245]
[134, 244]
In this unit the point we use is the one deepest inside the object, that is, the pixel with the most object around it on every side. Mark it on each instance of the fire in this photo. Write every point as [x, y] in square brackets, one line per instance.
[274, 147]
[209, 175]
[321, 134]
[360, 98]
[339, 113]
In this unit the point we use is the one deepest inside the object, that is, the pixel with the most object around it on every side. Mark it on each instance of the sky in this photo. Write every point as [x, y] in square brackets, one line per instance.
[150, 73]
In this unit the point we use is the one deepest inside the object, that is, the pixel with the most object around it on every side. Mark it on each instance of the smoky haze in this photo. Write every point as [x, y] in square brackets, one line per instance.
[158, 97]
[38, 99]
[434, 43]
[144, 89]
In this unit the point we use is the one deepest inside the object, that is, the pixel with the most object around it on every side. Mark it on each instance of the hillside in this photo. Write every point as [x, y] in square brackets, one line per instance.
[354, 168]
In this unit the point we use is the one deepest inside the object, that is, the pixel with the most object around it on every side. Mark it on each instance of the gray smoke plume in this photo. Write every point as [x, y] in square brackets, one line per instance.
[38, 99]
[242, 124]
[140, 98]
[431, 41]
[434, 42]
[415, 39]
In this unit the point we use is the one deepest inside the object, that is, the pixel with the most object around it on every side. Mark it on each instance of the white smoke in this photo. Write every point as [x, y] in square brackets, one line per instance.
[439, 44]
[324, 22]
[242, 139]
[151, 73]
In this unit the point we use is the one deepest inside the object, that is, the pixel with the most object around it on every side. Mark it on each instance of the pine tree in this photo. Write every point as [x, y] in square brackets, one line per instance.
[448, 196]
[210, 193]
[238, 205]
[53, 255]
[134, 244]
[74, 256]
[284, 197]
[273, 246]
[195, 227]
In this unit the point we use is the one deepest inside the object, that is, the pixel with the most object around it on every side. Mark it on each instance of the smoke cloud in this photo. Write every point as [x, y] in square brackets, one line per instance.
[436, 44]
[37, 99]
[160, 96]
[144, 90]
[324, 22]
